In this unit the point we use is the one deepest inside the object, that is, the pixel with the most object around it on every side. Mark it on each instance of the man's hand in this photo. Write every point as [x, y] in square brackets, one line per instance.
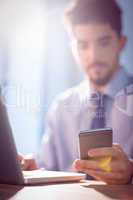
[27, 162]
[121, 168]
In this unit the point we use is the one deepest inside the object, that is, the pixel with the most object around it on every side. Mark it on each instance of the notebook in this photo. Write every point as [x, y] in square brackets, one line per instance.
[10, 169]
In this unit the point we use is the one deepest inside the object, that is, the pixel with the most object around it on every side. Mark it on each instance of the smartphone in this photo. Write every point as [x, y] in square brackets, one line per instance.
[94, 139]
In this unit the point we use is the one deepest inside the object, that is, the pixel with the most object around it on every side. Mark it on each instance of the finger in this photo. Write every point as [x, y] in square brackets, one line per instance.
[20, 157]
[106, 177]
[25, 164]
[22, 162]
[116, 145]
[102, 164]
[104, 152]
[120, 150]
[86, 164]
[32, 165]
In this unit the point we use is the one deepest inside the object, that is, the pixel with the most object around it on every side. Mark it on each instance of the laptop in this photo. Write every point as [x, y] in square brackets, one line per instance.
[10, 169]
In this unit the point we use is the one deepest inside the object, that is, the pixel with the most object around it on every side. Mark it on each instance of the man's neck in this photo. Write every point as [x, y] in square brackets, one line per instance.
[98, 88]
[101, 88]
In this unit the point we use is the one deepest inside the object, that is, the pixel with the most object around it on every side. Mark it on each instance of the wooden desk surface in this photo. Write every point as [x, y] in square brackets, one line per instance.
[90, 190]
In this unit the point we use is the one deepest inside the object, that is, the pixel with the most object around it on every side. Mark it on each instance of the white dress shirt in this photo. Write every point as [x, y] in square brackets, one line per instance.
[71, 113]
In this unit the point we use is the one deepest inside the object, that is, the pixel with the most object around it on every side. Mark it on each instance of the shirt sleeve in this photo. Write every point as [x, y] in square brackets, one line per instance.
[47, 155]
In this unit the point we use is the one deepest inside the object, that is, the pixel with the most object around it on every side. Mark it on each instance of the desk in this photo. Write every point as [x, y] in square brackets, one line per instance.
[90, 190]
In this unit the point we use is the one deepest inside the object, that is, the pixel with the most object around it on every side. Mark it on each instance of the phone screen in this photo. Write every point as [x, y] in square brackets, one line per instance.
[94, 139]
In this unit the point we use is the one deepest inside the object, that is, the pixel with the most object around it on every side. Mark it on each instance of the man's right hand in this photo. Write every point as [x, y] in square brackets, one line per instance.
[27, 162]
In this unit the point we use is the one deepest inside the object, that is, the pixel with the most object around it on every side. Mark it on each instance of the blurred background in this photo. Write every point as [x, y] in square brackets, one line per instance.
[36, 62]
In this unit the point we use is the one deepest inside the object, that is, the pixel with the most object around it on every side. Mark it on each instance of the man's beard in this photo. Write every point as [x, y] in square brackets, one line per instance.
[101, 81]
[97, 77]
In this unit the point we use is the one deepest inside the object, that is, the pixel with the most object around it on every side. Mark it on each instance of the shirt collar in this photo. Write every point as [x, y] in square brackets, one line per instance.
[119, 81]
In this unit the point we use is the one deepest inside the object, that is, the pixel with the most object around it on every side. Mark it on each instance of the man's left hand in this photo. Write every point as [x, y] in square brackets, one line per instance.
[120, 168]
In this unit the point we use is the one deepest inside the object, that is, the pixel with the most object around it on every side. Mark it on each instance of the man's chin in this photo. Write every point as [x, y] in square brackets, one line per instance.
[100, 81]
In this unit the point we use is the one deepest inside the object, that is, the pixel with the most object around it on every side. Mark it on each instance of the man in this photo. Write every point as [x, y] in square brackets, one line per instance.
[95, 28]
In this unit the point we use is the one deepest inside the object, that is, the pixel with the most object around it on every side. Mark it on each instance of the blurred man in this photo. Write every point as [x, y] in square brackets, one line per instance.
[95, 28]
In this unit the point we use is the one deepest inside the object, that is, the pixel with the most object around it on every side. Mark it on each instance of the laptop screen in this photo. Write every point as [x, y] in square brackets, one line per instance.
[10, 171]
